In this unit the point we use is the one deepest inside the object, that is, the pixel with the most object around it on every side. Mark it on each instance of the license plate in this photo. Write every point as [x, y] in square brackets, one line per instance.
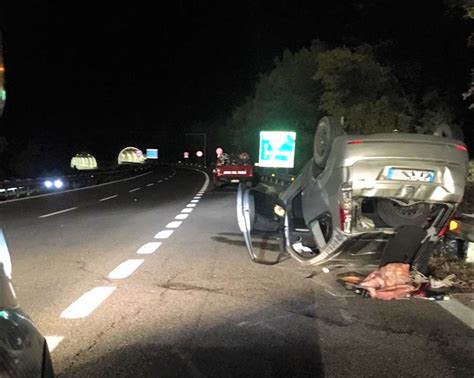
[411, 174]
[234, 181]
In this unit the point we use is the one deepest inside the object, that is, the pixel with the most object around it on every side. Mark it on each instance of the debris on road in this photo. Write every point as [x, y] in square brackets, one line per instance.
[396, 281]
[397, 277]
[442, 266]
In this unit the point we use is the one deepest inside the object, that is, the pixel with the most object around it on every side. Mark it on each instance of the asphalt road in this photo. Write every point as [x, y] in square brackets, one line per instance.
[90, 270]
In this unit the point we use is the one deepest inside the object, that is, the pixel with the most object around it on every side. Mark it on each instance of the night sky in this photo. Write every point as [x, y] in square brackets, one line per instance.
[83, 77]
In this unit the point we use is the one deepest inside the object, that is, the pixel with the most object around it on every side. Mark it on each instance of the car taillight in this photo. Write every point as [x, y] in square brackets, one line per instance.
[443, 230]
[219, 172]
[345, 207]
[461, 147]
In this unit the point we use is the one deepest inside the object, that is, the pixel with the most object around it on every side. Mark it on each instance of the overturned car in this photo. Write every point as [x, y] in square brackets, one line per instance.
[364, 186]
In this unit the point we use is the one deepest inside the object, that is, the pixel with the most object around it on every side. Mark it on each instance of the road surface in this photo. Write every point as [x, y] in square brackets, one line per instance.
[149, 277]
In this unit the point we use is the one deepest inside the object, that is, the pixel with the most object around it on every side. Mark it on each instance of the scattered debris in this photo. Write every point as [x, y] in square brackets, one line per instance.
[442, 266]
[395, 281]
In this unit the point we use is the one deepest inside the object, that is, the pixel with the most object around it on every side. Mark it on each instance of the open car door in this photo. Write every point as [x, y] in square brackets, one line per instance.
[261, 226]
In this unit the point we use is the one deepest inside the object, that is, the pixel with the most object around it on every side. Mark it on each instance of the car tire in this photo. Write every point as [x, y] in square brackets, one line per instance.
[47, 368]
[449, 131]
[328, 129]
[396, 215]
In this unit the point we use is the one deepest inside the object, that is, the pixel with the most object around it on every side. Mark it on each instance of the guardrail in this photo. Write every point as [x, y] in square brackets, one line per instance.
[18, 188]
[277, 179]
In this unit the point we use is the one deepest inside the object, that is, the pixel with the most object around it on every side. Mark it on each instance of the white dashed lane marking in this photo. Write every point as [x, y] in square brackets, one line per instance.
[165, 234]
[174, 224]
[92, 299]
[57, 212]
[125, 269]
[150, 184]
[148, 248]
[108, 198]
[87, 303]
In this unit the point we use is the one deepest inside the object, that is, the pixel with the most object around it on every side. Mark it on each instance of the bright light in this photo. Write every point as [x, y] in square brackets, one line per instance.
[48, 184]
[453, 225]
[199, 154]
[58, 184]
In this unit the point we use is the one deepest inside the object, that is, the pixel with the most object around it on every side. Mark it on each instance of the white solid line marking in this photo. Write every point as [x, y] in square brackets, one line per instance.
[88, 302]
[191, 205]
[174, 224]
[150, 184]
[460, 311]
[181, 216]
[165, 234]
[148, 248]
[125, 269]
[57, 212]
[53, 341]
[186, 210]
[194, 201]
[107, 198]
[134, 190]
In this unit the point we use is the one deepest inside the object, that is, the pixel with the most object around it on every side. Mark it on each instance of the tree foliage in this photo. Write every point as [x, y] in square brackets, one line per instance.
[358, 88]
[353, 83]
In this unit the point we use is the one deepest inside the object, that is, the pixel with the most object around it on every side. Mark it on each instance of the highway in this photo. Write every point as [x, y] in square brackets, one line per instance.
[149, 277]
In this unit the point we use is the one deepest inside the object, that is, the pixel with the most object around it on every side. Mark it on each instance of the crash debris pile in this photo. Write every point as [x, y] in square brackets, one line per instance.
[396, 281]
[398, 276]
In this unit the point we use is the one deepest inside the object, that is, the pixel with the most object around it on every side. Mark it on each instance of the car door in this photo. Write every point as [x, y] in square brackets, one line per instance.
[260, 224]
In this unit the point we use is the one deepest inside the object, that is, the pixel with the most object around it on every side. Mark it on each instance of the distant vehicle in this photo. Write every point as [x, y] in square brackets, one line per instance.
[23, 350]
[359, 186]
[233, 169]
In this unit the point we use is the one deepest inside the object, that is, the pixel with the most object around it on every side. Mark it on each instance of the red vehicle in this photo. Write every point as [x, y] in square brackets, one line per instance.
[232, 168]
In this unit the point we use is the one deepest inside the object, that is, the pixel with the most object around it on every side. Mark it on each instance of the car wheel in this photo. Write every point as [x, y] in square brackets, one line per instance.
[396, 215]
[47, 369]
[449, 131]
[327, 130]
